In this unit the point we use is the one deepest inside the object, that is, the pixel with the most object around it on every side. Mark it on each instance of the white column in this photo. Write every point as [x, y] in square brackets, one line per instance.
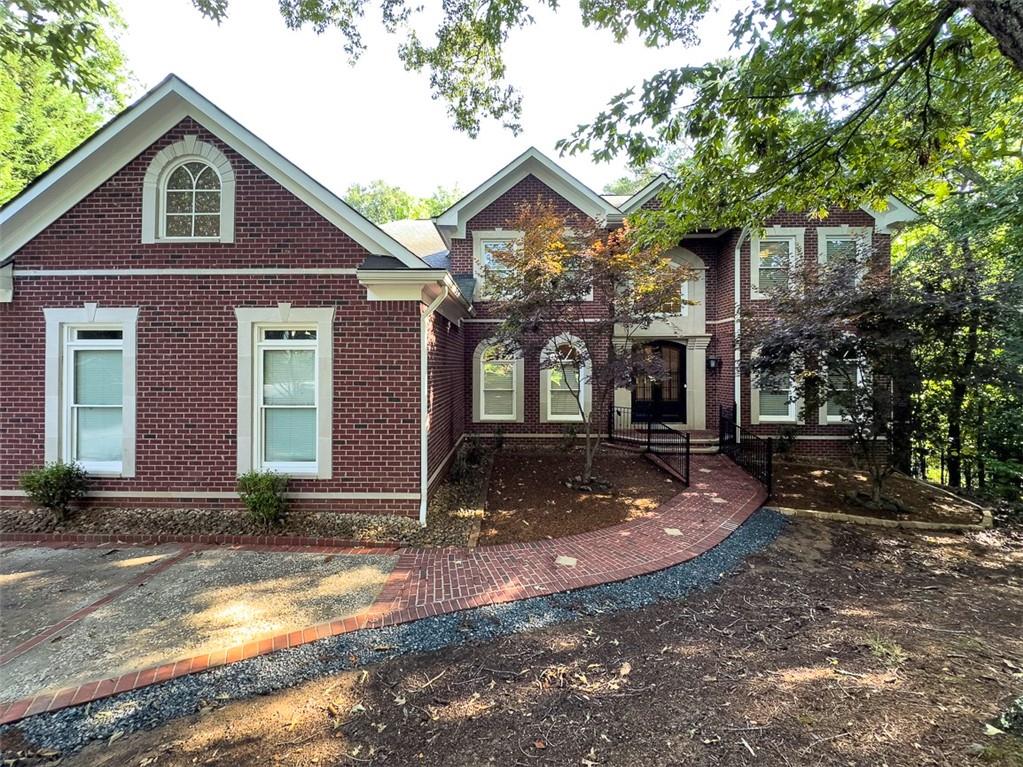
[696, 382]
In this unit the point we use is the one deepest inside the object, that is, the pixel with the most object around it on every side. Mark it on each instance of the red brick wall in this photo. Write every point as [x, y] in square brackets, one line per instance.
[186, 373]
[445, 373]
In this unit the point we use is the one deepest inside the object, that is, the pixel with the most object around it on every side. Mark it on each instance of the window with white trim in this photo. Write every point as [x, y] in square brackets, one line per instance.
[93, 397]
[489, 247]
[776, 399]
[843, 375]
[775, 259]
[565, 393]
[851, 244]
[191, 201]
[286, 399]
[498, 396]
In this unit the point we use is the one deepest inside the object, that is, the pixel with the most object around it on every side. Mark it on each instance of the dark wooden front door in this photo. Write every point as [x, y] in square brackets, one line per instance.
[662, 399]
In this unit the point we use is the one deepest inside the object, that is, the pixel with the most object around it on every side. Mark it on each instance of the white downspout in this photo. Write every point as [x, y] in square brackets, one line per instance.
[737, 324]
[424, 479]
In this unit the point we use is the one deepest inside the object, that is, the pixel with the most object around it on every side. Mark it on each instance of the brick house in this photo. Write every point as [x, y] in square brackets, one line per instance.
[180, 304]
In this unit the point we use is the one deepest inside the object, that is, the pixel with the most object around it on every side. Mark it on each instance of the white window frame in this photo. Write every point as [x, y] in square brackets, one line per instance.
[479, 239]
[585, 394]
[165, 189]
[793, 412]
[825, 417]
[793, 235]
[251, 323]
[291, 468]
[59, 375]
[864, 236]
[513, 363]
[188, 149]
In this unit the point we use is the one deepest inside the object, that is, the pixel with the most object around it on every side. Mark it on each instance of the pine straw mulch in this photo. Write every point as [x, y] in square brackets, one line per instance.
[802, 484]
[836, 645]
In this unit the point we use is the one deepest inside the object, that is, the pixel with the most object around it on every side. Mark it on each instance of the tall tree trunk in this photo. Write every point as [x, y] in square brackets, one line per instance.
[1003, 20]
[981, 468]
[965, 374]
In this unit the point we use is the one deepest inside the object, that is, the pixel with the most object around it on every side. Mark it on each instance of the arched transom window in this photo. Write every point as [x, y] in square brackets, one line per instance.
[192, 201]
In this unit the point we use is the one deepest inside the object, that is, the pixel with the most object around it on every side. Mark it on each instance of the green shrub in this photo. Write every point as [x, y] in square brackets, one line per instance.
[56, 487]
[262, 492]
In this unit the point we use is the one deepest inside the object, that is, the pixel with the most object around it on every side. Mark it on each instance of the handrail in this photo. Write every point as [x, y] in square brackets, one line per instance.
[751, 452]
[671, 446]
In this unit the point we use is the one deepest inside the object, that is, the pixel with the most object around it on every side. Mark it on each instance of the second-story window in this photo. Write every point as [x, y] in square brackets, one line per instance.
[192, 202]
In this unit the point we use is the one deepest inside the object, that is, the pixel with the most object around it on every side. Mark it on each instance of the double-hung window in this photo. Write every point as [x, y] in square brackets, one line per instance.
[772, 255]
[287, 397]
[776, 400]
[565, 394]
[837, 245]
[843, 375]
[498, 396]
[491, 265]
[94, 397]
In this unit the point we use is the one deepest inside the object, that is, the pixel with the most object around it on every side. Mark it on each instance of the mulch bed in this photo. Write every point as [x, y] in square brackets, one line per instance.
[530, 498]
[198, 521]
[819, 487]
[834, 646]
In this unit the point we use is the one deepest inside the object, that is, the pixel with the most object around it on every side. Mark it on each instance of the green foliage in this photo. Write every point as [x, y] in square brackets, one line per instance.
[71, 40]
[469, 460]
[381, 202]
[50, 105]
[55, 487]
[262, 492]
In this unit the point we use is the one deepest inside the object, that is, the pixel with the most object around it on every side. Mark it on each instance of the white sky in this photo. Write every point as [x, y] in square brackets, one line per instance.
[347, 125]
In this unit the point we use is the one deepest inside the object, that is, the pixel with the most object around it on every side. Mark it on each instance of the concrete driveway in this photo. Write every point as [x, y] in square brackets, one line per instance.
[74, 615]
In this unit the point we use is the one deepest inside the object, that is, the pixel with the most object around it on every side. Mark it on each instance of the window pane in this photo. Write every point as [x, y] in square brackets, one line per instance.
[207, 226]
[565, 378]
[179, 202]
[774, 403]
[775, 253]
[772, 278]
[498, 402]
[840, 249]
[498, 375]
[290, 434]
[181, 178]
[207, 202]
[179, 226]
[98, 376]
[207, 178]
[492, 247]
[841, 378]
[98, 434]
[289, 377]
[563, 402]
[98, 335]
[289, 335]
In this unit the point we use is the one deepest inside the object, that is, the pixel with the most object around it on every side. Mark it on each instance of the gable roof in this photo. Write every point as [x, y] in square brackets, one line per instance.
[532, 162]
[640, 198]
[135, 129]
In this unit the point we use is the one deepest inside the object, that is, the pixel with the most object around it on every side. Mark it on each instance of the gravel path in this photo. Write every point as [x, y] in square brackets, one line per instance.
[69, 729]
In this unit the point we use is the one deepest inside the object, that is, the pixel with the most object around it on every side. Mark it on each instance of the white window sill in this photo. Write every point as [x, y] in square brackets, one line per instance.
[565, 419]
[497, 419]
[291, 470]
[178, 240]
[778, 419]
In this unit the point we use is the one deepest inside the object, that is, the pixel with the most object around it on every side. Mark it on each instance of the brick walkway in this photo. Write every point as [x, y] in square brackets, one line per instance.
[427, 582]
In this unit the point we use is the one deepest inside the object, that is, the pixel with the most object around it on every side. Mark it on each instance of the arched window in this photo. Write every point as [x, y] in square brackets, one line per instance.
[564, 381]
[188, 194]
[497, 383]
[191, 201]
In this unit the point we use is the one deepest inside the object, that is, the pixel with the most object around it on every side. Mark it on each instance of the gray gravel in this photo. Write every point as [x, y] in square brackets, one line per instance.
[70, 729]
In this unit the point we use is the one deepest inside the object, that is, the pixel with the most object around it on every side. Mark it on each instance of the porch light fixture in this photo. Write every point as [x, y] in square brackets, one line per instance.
[713, 363]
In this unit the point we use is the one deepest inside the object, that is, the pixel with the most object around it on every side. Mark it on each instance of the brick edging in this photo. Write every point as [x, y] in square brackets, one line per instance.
[153, 539]
[387, 610]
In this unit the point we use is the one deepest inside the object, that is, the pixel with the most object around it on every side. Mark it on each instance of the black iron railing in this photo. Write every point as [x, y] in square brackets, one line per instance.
[752, 453]
[670, 445]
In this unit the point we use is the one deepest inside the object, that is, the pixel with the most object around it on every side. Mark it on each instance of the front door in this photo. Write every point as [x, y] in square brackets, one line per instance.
[662, 398]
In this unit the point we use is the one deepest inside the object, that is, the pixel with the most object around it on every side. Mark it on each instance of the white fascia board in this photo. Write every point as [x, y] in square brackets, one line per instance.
[896, 213]
[135, 129]
[640, 198]
[451, 223]
[421, 285]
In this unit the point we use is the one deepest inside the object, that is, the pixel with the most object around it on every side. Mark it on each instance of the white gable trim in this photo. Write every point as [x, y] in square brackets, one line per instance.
[138, 127]
[640, 198]
[451, 223]
[896, 213]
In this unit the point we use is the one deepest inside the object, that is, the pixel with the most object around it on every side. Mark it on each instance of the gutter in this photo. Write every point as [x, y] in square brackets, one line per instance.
[424, 480]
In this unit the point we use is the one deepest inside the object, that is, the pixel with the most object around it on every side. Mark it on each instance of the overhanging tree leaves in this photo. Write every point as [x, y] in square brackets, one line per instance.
[381, 202]
[568, 281]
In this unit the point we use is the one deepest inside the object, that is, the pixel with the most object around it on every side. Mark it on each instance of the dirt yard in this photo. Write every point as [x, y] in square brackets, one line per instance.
[804, 485]
[529, 499]
[837, 645]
